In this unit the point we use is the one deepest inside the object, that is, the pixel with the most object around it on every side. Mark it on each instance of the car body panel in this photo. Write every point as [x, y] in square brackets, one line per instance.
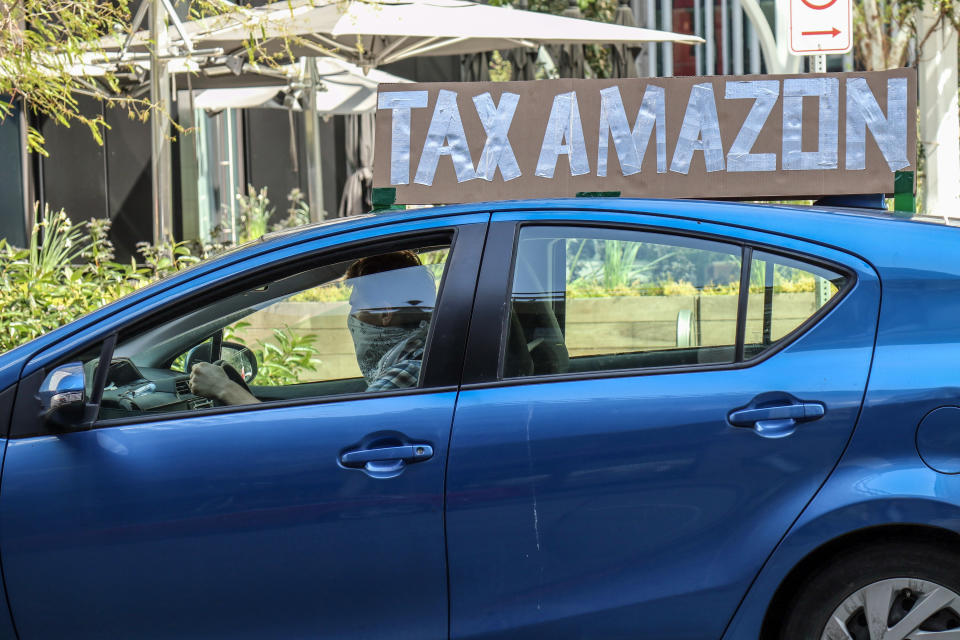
[239, 525]
[881, 480]
[515, 506]
[6, 410]
[240, 521]
[580, 506]
[902, 496]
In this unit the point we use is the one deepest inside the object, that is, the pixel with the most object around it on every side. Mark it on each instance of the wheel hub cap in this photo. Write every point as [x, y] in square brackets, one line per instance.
[896, 609]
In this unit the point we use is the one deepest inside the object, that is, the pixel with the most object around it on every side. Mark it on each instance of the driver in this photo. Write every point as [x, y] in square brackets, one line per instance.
[390, 308]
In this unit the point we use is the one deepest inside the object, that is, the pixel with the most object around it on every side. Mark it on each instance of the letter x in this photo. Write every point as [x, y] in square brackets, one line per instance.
[497, 151]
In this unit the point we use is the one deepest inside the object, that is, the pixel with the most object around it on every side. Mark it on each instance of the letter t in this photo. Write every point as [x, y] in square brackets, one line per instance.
[400, 103]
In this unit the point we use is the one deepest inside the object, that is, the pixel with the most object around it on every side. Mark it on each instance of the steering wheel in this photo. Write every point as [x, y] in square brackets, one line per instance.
[233, 374]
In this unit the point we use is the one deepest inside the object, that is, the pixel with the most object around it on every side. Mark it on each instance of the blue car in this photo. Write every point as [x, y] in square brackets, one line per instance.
[588, 418]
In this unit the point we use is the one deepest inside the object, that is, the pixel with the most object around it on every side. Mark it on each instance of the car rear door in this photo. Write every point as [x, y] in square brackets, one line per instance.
[628, 450]
[245, 522]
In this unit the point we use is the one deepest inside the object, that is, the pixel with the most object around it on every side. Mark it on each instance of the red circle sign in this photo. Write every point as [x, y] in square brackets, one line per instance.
[825, 5]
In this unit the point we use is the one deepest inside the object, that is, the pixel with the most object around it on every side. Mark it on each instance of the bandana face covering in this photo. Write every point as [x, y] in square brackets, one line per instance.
[372, 343]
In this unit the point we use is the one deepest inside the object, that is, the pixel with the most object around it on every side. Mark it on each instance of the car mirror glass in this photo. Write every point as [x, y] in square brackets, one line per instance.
[241, 358]
[63, 395]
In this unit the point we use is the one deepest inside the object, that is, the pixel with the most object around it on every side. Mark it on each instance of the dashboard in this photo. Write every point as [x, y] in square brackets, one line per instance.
[133, 390]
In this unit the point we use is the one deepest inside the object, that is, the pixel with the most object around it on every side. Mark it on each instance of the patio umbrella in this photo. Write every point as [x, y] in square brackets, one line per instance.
[359, 147]
[368, 34]
[371, 34]
[623, 57]
[344, 89]
[570, 58]
[524, 60]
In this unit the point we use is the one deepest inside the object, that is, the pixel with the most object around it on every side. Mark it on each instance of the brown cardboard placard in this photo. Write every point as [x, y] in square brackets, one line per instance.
[853, 106]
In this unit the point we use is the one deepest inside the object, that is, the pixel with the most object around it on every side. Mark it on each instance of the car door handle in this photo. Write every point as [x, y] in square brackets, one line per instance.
[404, 453]
[777, 420]
[801, 411]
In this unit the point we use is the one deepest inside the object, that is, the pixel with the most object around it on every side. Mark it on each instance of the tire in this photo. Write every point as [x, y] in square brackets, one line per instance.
[891, 579]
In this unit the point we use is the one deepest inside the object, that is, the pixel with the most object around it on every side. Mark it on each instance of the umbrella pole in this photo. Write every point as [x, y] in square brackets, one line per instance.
[312, 134]
[160, 148]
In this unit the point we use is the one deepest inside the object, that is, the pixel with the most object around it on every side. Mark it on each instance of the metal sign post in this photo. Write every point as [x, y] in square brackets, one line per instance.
[818, 27]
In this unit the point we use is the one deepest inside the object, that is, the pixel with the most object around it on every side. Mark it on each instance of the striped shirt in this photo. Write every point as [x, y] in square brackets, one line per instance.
[405, 370]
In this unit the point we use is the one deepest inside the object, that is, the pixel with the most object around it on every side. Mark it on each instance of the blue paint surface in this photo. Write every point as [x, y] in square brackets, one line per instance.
[597, 507]
[938, 439]
[581, 508]
[232, 526]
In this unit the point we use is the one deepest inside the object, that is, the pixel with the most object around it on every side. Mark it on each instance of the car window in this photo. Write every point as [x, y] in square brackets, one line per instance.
[288, 335]
[347, 327]
[604, 299]
[784, 293]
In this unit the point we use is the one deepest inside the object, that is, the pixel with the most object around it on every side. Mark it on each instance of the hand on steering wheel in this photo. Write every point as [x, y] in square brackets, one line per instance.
[233, 374]
[221, 383]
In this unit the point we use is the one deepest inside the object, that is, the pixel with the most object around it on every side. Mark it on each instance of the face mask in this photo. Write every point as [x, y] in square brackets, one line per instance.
[372, 343]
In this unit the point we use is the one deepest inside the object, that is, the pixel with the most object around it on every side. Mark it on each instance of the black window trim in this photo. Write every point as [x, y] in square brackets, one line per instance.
[456, 301]
[746, 266]
[748, 247]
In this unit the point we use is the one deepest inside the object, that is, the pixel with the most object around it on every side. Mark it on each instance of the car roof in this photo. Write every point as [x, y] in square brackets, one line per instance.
[855, 230]
[811, 222]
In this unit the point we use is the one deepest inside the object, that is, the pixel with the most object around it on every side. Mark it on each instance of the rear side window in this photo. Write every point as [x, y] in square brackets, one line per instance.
[602, 299]
[783, 294]
[596, 299]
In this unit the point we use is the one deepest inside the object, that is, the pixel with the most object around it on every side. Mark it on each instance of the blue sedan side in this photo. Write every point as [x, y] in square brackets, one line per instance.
[630, 418]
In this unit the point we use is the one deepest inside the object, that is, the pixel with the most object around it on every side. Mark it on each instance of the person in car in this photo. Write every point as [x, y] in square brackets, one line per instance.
[390, 307]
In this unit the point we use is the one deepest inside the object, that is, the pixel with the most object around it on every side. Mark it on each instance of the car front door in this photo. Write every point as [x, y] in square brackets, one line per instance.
[650, 403]
[287, 519]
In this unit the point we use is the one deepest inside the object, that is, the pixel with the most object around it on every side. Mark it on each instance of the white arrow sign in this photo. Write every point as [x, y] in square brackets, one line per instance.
[820, 26]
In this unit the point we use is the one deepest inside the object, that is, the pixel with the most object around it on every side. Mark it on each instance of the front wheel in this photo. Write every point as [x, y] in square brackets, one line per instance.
[885, 592]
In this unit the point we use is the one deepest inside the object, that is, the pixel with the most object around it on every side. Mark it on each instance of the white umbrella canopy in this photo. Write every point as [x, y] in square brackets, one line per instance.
[344, 90]
[371, 34]
[236, 98]
[347, 89]
[368, 33]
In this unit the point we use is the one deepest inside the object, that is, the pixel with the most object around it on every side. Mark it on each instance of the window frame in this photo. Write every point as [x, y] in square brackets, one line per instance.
[745, 286]
[440, 372]
[493, 377]
[801, 328]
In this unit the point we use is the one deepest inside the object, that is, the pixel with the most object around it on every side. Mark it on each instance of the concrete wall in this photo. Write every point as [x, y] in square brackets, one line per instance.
[325, 320]
[620, 324]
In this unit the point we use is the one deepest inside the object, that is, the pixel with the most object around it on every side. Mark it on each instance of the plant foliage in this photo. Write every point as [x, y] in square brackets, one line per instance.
[52, 51]
[66, 271]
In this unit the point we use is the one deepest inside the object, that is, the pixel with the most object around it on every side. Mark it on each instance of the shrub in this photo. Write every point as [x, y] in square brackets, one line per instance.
[42, 287]
[68, 270]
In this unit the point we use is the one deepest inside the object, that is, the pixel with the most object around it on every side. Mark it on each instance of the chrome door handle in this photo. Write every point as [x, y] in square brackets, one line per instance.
[778, 420]
[801, 411]
[405, 453]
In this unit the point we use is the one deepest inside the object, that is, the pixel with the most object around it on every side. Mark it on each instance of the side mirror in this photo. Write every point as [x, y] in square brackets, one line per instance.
[63, 395]
[241, 358]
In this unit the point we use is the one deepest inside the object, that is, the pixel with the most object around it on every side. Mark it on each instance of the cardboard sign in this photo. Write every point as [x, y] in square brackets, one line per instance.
[697, 137]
